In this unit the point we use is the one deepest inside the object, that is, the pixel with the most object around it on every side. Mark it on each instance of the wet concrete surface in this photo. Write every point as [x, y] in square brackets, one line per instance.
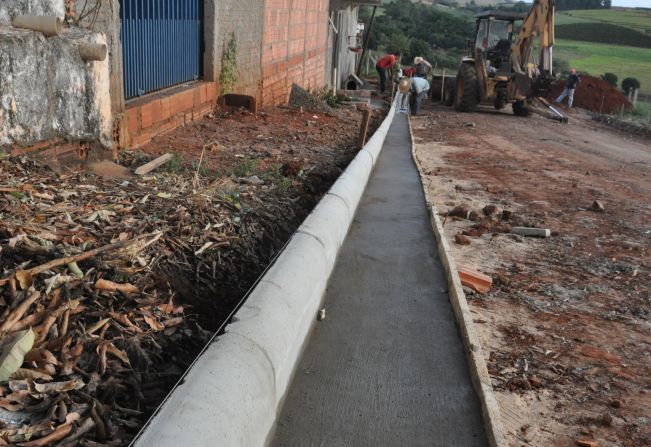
[386, 367]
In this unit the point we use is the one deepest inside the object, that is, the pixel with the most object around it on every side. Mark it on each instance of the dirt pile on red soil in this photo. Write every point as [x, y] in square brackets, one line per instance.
[594, 94]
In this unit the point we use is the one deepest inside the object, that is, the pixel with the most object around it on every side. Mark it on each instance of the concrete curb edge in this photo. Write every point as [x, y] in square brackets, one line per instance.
[233, 391]
[479, 372]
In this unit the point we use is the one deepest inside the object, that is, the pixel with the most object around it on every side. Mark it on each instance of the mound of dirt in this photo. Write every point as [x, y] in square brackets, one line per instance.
[594, 94]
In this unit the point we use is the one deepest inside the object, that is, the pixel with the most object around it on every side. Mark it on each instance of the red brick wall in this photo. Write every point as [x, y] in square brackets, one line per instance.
[293, 48]
[162, 112]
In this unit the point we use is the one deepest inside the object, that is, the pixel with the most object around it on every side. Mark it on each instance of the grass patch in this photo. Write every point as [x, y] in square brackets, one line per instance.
[246, 167]
[604, 33]
[175, 165]
[599, 58]
[275, 177]
[629, 18]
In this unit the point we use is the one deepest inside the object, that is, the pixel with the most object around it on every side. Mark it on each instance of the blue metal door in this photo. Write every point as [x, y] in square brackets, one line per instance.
[161, 43]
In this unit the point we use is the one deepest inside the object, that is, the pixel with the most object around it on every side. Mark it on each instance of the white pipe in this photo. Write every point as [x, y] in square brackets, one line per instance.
[47, 25]
[93, 51]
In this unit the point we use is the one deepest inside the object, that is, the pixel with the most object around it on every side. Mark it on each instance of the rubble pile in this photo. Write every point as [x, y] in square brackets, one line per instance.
[109, 288]
[594, 94]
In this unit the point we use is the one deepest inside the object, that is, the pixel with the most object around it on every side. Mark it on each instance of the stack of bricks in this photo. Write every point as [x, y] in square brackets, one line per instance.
[294, 47]
[161, 113]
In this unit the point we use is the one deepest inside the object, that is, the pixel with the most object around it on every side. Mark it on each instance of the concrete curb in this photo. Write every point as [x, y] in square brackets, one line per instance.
[479, 373]
[231, 394]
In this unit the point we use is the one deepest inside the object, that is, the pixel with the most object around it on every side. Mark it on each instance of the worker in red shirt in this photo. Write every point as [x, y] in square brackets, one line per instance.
[386, 63]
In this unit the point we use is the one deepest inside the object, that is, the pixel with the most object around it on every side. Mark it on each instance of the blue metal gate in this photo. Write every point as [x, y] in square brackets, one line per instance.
[161, 43]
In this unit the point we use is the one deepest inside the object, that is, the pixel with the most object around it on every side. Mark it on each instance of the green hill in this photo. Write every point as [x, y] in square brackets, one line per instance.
[635, 19]
[599, 58]
[599, 41]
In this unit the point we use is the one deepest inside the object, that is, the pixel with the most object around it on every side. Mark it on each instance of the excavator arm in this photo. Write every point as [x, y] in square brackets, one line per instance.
[538, 23]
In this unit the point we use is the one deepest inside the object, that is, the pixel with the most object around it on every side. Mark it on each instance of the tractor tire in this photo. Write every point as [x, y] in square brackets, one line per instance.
[520, 109]
[467, 89]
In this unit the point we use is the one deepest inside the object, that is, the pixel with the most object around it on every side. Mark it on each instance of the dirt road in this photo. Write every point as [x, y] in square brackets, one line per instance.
[565, 328]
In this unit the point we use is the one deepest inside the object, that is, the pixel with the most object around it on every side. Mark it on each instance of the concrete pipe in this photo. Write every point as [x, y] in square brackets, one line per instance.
[48, 25]
[93, 51]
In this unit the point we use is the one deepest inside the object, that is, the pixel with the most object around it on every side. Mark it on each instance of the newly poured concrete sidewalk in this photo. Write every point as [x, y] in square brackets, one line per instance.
[386, 367]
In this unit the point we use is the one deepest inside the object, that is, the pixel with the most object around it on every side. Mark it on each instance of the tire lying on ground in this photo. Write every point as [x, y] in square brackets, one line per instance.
[467, 89]
[520, 109]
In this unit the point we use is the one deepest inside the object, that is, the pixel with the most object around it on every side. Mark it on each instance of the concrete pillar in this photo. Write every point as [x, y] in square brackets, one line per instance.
[210, 60]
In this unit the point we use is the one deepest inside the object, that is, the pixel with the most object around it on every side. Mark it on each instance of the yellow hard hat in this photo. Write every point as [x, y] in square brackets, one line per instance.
[404, 85]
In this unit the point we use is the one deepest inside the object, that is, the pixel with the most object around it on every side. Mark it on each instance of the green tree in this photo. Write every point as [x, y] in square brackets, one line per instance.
[630, 83]
[610, 78]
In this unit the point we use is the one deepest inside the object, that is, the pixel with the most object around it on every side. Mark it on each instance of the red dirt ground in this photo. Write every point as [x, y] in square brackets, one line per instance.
[594, 94]
[565, 328]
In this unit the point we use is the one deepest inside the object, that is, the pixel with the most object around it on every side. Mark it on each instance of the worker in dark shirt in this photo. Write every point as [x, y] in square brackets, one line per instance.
[570, 85]
[386, 63]
[422, 67]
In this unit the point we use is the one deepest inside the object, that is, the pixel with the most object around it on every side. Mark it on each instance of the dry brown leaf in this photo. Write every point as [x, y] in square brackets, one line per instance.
[173, 322]
[14, 401]
[61, 432]
[101, 351]
[41, 357]
[24, 279]
[33, 374]
[25, 433]
[95, 327]
[153, 323]
[59, 387]
[103, 284]
[15, 316]
[121, 318]
[13, 353]
[111, 349]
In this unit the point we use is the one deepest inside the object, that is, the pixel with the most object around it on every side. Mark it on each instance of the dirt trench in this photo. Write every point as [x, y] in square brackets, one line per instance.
[113, 332]
[565, 327]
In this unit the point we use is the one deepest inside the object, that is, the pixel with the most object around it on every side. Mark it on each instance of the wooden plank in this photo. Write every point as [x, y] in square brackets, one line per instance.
[147, 168]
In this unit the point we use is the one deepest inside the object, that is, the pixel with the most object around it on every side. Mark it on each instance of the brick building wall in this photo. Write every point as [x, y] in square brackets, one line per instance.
[294, 47]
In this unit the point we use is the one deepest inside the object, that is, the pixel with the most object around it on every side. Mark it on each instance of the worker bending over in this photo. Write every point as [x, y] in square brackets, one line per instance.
[386, 63]
[570, 86]
[419, 89]
[404, 88]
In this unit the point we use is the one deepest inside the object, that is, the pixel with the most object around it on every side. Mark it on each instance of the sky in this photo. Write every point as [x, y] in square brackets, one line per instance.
[629, 3]
[632, 3]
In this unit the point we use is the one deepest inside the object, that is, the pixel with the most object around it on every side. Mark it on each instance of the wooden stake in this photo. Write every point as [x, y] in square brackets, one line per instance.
[366, 119]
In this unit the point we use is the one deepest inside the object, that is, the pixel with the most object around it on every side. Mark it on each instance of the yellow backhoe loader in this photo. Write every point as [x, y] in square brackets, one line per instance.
[500, 68]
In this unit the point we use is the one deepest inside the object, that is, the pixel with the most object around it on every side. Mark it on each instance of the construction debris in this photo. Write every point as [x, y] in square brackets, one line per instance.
[533, 232]
[475, 280]
[147, 168]
[461, 239]
[597, 206]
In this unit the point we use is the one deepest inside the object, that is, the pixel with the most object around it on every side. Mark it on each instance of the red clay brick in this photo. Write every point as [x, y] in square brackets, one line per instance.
[133, 120]
[146, 116]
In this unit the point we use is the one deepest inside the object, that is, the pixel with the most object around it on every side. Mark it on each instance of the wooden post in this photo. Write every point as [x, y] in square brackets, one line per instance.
[366, 119]
[443, 87]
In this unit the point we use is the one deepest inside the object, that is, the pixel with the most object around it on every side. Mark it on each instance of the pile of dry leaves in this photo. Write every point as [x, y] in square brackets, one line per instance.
[109, 288]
